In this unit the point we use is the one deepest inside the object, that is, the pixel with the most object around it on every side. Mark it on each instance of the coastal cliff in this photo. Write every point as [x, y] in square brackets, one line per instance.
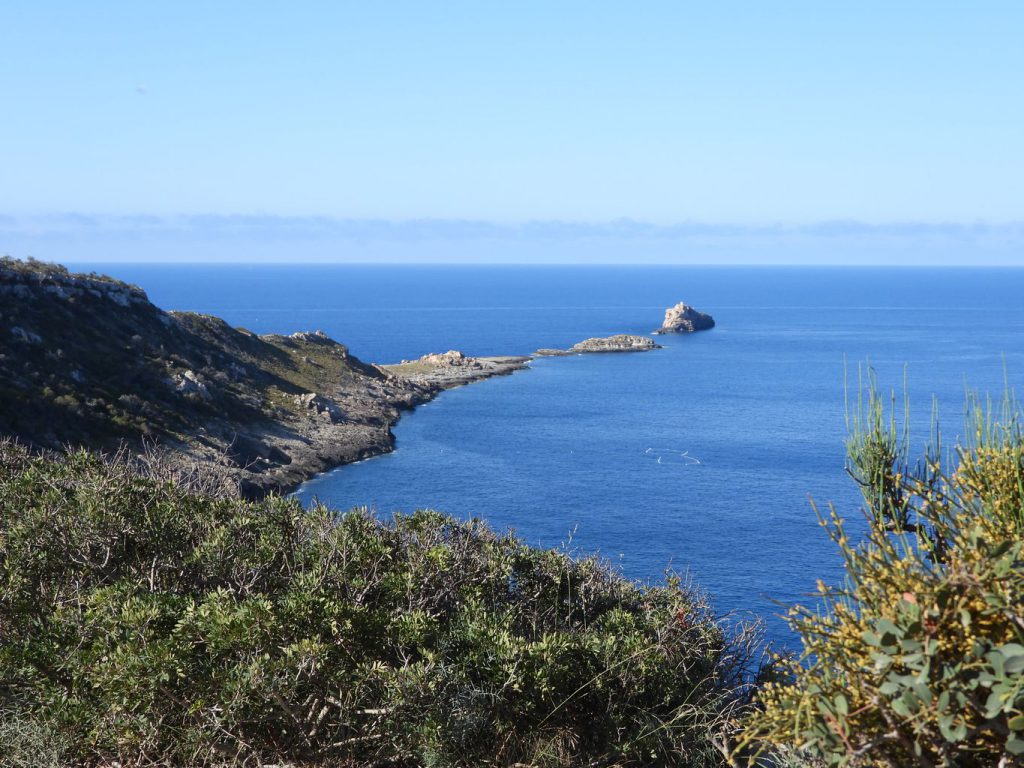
[87, 360]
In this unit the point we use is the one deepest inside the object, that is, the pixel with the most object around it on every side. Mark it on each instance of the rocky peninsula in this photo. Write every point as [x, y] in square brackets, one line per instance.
[682, 318]
[89, 361]
[86, 360]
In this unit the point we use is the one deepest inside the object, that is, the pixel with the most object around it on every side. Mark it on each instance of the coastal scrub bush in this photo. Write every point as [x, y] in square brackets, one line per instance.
[143, 622]
[918, 660]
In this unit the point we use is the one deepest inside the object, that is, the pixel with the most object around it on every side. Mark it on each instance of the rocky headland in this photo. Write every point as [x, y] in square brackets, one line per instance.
[682, 318]
[86, 360]
[618, 343]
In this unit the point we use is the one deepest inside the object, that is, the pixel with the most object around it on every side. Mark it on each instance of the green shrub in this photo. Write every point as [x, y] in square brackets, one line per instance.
[918, 660]
[147, 624]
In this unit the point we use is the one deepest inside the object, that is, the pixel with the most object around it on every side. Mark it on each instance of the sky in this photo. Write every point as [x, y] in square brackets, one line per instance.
[726, 132]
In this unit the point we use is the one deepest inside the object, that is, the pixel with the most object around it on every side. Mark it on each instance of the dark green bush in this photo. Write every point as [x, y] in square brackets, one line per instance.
[145, 623]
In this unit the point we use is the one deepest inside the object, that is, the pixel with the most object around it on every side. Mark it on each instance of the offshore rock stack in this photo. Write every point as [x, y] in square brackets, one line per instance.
[682, 318]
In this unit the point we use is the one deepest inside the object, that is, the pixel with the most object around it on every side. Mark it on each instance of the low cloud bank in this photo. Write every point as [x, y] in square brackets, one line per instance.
[256, 238]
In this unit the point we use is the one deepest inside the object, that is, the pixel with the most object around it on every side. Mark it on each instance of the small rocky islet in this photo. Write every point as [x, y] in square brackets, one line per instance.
[621, 342]
[89, 360]
[682, 318]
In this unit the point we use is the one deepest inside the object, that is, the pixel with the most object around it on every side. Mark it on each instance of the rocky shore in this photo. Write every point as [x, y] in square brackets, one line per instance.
[86, 360]
[353, 420]
[453, 369]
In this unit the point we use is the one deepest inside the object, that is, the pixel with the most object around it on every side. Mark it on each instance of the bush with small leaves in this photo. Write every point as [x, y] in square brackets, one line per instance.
[919, 659]
[145, 624]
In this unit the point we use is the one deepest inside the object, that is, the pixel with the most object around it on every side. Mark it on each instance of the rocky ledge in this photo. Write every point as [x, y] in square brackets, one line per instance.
[682, 318]
[619, 343]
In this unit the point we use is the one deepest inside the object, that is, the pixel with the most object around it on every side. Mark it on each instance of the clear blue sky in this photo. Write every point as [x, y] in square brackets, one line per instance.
[747, 114]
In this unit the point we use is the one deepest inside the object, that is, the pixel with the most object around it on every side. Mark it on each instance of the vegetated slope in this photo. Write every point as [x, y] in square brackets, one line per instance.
[88, 360]
[145, 624]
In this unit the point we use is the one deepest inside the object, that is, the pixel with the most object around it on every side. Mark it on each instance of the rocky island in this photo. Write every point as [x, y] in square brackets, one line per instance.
[619, 343]
[682, 318]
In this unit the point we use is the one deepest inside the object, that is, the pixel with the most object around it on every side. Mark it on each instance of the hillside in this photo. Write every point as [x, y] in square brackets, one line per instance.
[86, 360]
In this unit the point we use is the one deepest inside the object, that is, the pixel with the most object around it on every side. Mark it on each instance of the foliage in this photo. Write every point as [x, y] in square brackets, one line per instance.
[919, 658]
[29, 742]
[144, 623]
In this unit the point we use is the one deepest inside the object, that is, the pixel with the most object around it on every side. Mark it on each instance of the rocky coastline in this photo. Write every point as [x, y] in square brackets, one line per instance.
[343, 425]
[86, 360]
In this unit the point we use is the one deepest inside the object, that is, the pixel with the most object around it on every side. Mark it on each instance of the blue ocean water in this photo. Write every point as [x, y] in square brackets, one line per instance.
[700, 457]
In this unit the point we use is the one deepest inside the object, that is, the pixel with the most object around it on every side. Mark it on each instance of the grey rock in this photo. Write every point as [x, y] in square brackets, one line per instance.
[307, 336]
[189, 383]
[621, 342]
[326, 409]
[682, 318]
[452, 357]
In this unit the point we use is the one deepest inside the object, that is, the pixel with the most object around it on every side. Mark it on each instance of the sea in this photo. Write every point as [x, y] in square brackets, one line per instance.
[705, 458]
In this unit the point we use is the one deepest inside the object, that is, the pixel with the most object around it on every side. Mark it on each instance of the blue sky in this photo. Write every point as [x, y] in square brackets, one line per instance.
[180, 130]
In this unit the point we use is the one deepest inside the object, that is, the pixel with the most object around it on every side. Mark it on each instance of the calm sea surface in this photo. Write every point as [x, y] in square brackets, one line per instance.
[700, 457]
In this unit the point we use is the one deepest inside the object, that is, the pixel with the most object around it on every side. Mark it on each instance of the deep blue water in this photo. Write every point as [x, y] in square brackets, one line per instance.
[604, 450]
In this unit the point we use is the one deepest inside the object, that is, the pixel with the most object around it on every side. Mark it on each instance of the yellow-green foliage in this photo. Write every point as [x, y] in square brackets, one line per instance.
[918, 660]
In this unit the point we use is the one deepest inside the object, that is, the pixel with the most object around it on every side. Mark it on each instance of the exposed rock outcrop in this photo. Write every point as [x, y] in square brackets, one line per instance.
[619, 343]
[22, 280]
[87, 360]
[189, 383]
[682, 318]
[451, 357]
[326, 409]
[453, 368]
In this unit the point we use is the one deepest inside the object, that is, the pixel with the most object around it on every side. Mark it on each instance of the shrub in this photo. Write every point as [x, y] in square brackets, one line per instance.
[144, 623]
[919, 658]
[28, 742]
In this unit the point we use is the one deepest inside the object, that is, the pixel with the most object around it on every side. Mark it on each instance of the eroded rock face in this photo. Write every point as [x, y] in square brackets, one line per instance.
[323, 407]
[450, 358]
[310, 336]
[20, 280]
[189, 383]
[682, 318]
